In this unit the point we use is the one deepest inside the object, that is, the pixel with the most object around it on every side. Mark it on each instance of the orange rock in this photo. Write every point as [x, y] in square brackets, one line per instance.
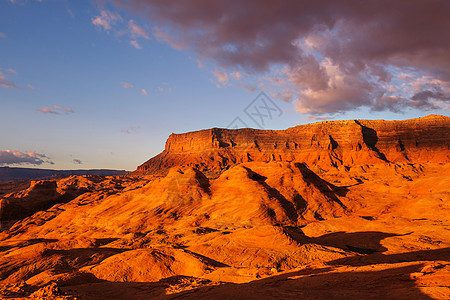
[326, 145]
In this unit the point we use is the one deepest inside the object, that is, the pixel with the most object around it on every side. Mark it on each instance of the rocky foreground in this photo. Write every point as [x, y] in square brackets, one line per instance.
[338, 210]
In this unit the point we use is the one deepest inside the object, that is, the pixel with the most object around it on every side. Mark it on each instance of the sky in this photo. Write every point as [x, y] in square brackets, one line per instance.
[102, 84]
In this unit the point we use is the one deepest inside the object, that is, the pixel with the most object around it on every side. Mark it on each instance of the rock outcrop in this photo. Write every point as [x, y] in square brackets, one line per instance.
[325, 145]
[42, 194]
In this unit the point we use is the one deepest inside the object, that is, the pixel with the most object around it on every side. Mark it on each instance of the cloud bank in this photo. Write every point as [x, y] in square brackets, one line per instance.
[13, 157]
[327, 56]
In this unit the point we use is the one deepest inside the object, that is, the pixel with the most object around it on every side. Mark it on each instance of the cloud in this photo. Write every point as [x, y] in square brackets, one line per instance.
[30, 86]
[144, 92]
[135, 45]
[163, 36]
[13, 157]
[2, 35]
[70, 12]
[112, 21]
[200, 65]
[12, 71]
[6, 83]
[334, 56]
[137, 31]
[77, 161]
[236, 75]
[56, 110]
[316, 118]
[166, 87]
[285, 95]
[130, 130]
[221, 77]
[127, 85]
[106, 19]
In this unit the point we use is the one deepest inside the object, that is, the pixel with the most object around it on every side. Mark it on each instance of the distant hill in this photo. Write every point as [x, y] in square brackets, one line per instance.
[19, 174]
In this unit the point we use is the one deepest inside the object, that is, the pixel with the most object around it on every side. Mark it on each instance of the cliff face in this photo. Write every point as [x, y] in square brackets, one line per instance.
[325, 145]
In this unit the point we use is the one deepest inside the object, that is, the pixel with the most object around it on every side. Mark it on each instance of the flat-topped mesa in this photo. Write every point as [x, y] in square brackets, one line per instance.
[325, 144]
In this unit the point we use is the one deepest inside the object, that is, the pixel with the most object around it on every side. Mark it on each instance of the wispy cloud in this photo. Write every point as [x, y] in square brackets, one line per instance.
[200, 64]
[56, 110]
[165, 87]
[236, 75]
[127, 85]
[30, 86]
[136, 45]
[130, 130]
[12, 71]
[222, 78]
[163, 36]
[316, 118]
[70, 12]
[14, 157]
[2, 35]
[112, 21]
[137, 31]
[6, 83]
[144, 92]
[106, 19]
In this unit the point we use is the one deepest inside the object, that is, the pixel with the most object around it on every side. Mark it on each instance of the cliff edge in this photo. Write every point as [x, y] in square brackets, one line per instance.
[322, 145]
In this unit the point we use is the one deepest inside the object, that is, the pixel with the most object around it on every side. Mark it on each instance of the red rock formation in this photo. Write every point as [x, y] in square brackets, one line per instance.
[326, 144]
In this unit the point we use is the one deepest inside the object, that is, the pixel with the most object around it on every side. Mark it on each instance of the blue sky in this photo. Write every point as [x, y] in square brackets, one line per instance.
[76, 93]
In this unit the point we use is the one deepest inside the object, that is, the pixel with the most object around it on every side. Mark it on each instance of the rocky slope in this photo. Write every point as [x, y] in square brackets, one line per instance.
[324, 145]
[375, 226]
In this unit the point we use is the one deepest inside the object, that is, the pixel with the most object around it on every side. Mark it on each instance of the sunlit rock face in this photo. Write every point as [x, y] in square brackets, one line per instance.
[322, 145]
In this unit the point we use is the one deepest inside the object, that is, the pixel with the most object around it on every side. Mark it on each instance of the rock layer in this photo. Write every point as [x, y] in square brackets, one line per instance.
[326, 145]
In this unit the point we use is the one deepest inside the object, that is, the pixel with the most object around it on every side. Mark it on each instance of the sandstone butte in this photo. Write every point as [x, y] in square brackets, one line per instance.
[332, 210]
[324, 145]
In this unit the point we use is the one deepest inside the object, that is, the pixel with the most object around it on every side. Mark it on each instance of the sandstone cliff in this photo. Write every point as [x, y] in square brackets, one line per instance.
[321, 145]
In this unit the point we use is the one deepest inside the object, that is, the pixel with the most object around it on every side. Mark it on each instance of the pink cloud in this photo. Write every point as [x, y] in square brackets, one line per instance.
[144, 92]
[127, 85]
[236, 75]
[56, 110]
[163, 36]
[221, 77]
[135, 45]
[2, 35]
[106, 19]
[137, 31]
[200, 65]
[6, 83]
